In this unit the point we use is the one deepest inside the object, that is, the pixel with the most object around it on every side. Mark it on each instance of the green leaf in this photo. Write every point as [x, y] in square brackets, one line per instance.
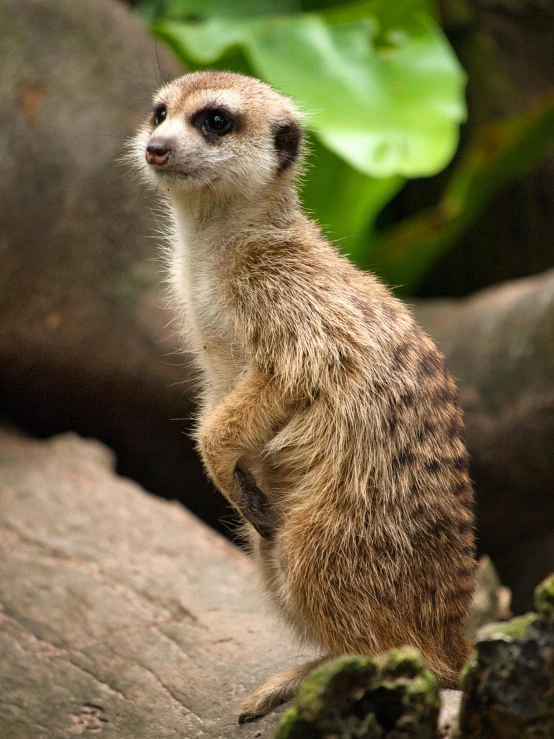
[386, 98]
[390, 112]
[391, 16]
[196, 10]
[204, 43]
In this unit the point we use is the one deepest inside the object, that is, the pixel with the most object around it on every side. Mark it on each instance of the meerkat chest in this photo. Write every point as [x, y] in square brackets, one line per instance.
[209, 322]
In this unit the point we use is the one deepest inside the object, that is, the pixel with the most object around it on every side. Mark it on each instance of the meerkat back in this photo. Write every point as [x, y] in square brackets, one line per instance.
[327, 416]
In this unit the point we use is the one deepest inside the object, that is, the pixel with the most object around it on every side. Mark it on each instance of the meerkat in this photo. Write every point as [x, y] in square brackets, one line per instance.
[327, 416]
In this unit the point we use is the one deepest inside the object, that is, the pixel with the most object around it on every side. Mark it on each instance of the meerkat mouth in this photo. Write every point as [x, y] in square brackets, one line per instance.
[160, 161]
[171, 174]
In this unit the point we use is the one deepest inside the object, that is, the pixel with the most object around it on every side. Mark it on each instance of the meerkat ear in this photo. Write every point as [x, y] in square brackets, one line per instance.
[287, 139]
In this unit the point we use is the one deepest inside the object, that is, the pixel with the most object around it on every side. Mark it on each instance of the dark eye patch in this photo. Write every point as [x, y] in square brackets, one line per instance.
[287, 139]
[214, 123]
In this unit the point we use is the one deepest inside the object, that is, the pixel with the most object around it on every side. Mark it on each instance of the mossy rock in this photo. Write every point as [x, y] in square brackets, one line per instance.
[507, 630]
[360, 698]
[544, 597]
[509, 682]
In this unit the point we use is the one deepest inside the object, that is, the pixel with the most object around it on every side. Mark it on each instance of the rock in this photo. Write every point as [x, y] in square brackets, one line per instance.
[121, 614]
[491, 601]
[508, 683]
[352, 697]
[449, 714]
[499, 346]
[84, 343]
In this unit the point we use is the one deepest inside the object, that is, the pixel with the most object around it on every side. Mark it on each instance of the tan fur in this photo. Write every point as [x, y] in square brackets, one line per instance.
[318, 383]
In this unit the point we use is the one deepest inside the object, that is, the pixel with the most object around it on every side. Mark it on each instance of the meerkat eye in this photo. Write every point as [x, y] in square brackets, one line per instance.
[218, 121]
[159, 114]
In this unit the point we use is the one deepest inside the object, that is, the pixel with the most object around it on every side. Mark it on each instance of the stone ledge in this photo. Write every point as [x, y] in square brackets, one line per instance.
[120, 614]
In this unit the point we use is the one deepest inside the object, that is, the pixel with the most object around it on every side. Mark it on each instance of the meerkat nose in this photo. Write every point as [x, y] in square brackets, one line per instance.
[157, 153]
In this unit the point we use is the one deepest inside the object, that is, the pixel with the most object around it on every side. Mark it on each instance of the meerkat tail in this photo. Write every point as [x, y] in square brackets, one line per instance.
[277, 689]
[448, 662]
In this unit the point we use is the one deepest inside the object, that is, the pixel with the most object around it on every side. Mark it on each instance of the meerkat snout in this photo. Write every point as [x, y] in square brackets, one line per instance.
[158, 153]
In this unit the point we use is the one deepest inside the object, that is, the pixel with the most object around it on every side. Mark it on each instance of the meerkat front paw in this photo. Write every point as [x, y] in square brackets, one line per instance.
[219, 457]
[254, 506]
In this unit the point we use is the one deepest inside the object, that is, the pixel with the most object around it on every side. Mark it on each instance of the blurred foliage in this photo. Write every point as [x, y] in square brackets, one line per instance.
[383, 96]
[500, 153]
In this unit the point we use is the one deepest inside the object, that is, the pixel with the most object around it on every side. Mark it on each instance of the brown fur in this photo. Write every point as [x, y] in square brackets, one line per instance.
[319, 384]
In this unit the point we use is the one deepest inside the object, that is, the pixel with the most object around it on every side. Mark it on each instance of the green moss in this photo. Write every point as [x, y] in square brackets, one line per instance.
[333, 680]
[515, 628]
[325, 699]
[403, 670]
[353, 697]
[426, 686]
[544, 597]
[468, 670]
[405, 662]
[291, 726]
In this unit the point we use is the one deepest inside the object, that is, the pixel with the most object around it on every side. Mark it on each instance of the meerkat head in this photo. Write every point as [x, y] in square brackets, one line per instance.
[219, 130]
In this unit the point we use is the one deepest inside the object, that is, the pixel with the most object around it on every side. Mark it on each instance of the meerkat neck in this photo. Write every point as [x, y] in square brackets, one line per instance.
[209, 221]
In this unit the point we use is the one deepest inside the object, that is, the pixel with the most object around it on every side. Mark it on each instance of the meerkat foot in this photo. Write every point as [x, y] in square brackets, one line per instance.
[278, 689]
[254, 506]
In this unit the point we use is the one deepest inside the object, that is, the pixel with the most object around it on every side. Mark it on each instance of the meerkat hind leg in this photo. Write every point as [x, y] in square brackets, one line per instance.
[277, 689]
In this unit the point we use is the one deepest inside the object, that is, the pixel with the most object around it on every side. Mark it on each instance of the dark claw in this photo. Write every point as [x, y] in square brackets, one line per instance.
[245, 718]
[255, 506]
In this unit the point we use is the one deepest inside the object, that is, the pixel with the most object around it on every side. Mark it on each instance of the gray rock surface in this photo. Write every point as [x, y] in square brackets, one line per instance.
[449, 713]
[84, 338]
[121, 615]
[491, 600]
